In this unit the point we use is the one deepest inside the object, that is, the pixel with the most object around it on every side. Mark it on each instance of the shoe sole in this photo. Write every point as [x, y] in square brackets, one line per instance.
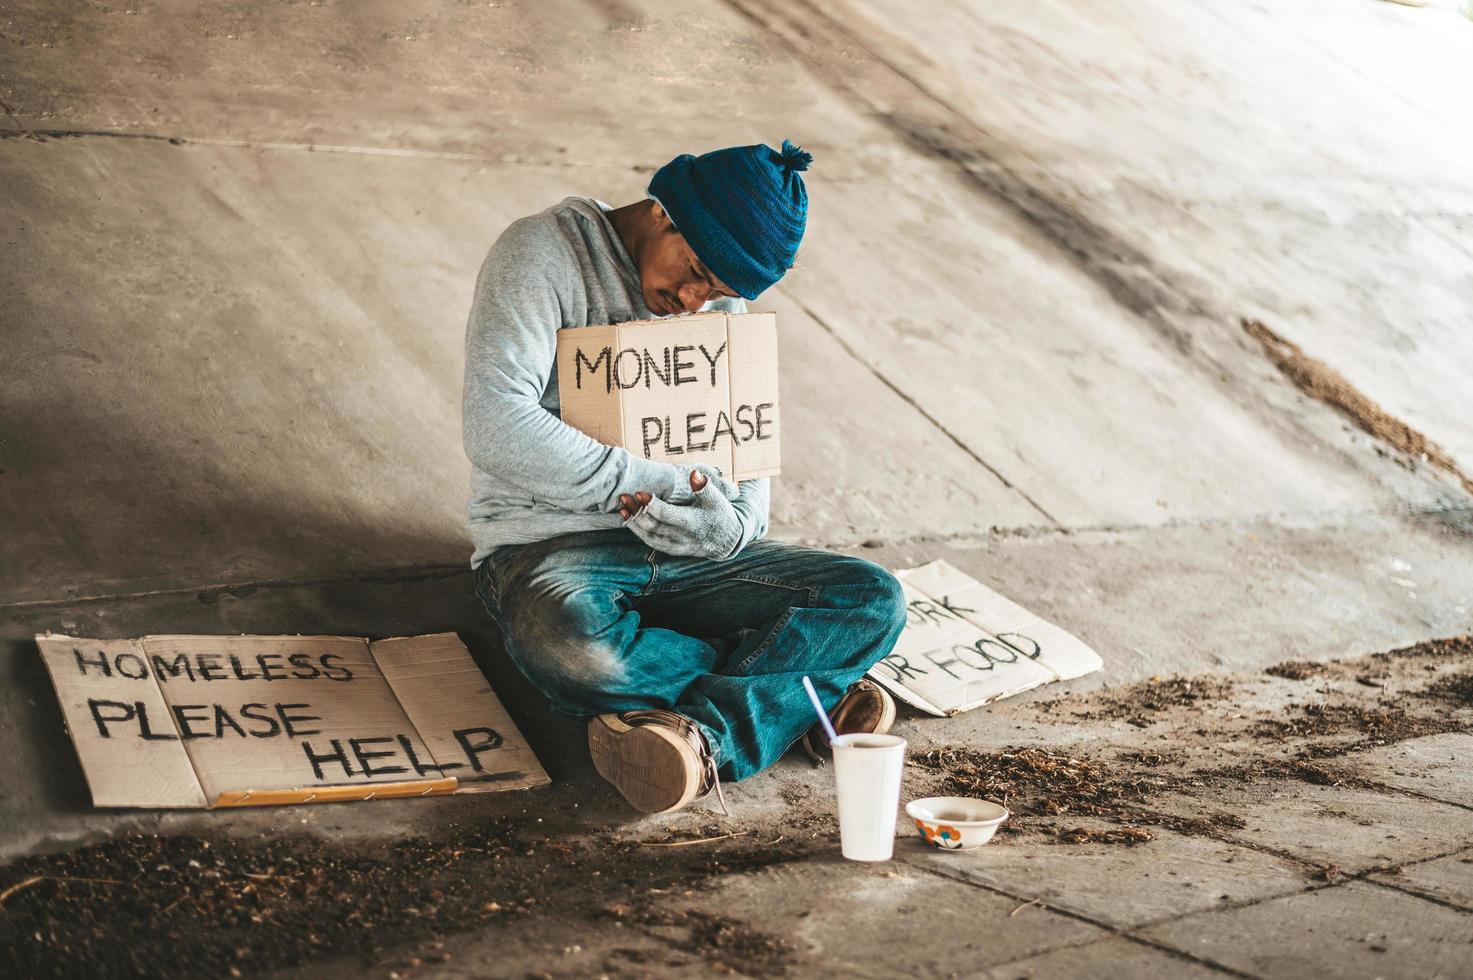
[652, 768]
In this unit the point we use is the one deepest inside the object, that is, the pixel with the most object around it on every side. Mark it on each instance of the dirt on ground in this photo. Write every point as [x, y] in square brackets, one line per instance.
[1296, 670]
[1142, 704]
[1047, 792]
[1320, 381]
[1365, 702]
[227, 906]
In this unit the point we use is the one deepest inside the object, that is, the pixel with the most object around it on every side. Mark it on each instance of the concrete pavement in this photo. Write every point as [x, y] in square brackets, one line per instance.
[240, 245]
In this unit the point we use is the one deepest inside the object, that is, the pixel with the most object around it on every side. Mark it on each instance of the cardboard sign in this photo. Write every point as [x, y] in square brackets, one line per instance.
[964, 645]
[691, 389]
[207, 721]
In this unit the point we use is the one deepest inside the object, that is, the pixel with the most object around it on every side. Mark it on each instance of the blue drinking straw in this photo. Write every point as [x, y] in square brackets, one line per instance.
[823, 716]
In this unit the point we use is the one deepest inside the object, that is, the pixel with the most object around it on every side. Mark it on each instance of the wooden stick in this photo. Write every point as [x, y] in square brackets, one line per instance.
[687, 843]
[37, 879]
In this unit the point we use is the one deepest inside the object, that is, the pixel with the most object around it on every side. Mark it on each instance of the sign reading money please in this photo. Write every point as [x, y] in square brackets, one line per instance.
[692, 389]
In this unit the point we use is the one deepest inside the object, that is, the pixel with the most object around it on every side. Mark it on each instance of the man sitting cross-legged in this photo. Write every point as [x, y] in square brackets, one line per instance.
[638, 594]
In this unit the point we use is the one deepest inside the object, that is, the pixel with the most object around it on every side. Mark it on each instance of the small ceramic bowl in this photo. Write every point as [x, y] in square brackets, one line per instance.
[956, 823]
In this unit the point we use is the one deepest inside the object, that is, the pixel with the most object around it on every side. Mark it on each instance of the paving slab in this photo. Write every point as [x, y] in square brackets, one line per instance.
[1125, 887]
[1224, 596]
[1355, 930]
[1436, 766]
[1351, 830]
[1116, 958]
[1448, 879]
[863, 919]
[559, 947]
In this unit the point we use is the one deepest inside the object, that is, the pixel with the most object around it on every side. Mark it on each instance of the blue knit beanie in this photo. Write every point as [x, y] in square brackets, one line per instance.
[742, 209]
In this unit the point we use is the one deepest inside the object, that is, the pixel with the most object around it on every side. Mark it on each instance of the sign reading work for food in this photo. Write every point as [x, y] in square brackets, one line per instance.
[206, 721]
[964, 645]
[690, 389]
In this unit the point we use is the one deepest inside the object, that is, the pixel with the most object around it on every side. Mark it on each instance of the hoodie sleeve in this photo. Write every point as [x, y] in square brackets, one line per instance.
[511, 349]
[752, 507]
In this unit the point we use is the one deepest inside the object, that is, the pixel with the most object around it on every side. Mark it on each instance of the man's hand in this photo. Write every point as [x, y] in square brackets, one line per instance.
[707, 527]
[684, 492]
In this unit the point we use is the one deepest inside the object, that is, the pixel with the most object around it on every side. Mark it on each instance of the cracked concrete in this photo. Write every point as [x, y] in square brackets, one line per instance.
[240, 246]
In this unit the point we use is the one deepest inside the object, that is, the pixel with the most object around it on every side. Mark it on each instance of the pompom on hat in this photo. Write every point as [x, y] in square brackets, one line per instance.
[742, 210]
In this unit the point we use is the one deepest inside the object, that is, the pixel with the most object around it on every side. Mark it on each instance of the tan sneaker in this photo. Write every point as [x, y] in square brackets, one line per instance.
[657, 759]
[867, 708]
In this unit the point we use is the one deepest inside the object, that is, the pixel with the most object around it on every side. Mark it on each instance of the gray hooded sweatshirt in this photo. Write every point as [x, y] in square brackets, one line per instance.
[533, 476]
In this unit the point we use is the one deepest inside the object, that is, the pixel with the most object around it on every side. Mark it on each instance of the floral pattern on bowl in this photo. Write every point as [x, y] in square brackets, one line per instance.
[939, 834]
[956, 823]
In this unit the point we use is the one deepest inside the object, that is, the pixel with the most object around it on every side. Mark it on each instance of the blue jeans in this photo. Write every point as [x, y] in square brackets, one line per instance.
[599, 622]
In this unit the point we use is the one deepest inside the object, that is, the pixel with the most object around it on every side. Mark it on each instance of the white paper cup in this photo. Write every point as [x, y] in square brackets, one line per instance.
[867, 773]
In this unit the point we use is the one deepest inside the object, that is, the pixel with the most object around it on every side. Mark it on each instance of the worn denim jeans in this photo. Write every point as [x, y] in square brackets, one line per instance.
[599, 622]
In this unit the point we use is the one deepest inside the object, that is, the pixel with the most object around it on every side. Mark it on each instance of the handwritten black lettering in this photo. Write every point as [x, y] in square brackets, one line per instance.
[722, 427]
[919, 611]
[713, 358]
[899, 668]
[164, 670]
[248, 711]
[333, 672]
[488, 740]
[692, 430]
[290, 721]
[579, 360]
[365, 757]
[943, 657]
[683, 365]
[183, 720]
[761, 422]
[336, 755]
[100, 662]
[650, 438]
[423, 769]
[620, 376]
[96, 706]
[146, 732]
[974, 656]
[303, 662]
[266, 668]
[744, 420]
[131, 666]
[954, 610]
[222, 719]
[238, 670]
[1027, 646]
[651, 370]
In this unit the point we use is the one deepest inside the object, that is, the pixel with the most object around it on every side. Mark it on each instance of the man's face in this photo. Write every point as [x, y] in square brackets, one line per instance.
[671, 278]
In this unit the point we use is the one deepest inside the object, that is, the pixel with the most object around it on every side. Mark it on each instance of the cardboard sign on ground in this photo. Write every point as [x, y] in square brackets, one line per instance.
[964, 645]
[207, 721]
[690, 389]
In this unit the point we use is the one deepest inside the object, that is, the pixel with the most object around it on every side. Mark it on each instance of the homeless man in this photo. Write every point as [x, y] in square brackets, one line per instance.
[638, 594]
